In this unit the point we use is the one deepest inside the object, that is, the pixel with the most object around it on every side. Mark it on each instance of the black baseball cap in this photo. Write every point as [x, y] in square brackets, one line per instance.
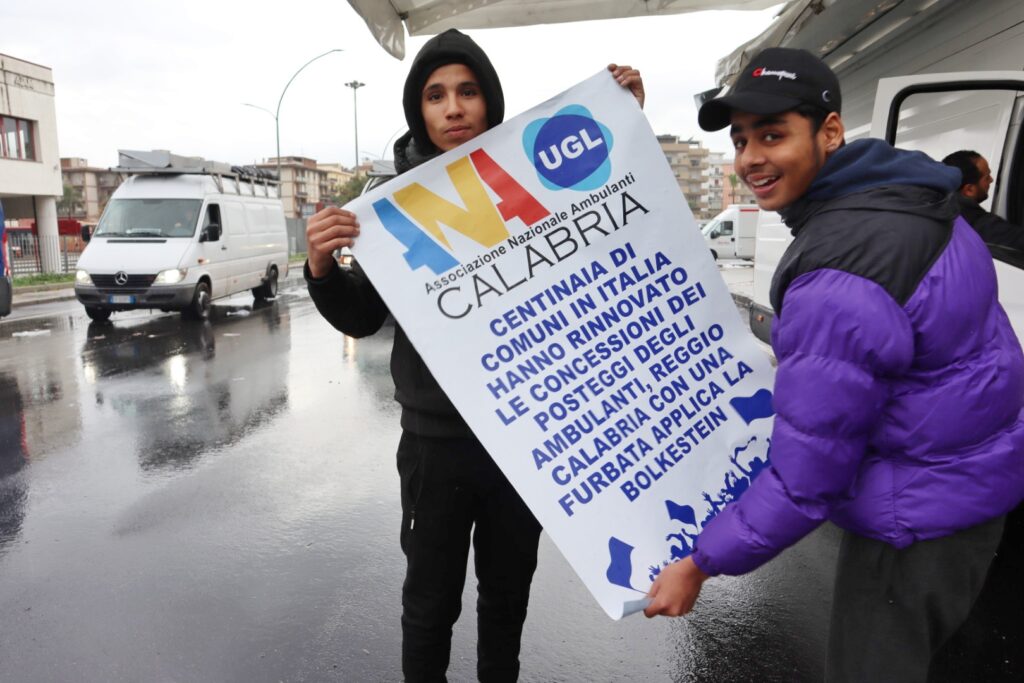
[775, 80]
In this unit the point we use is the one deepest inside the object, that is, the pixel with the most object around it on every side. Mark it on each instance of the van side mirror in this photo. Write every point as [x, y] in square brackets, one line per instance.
[211, 233]
[86, 233]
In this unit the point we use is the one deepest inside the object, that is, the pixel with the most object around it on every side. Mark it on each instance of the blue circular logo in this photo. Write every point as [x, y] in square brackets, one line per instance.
[570, 150]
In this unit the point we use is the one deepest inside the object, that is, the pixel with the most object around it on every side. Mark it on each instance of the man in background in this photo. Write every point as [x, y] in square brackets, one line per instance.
[976, 178]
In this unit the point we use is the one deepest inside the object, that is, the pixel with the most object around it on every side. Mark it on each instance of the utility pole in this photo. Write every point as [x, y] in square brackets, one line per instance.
[355, 85]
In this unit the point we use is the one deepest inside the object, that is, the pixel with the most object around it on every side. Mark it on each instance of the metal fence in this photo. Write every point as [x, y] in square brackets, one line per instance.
[26, 255]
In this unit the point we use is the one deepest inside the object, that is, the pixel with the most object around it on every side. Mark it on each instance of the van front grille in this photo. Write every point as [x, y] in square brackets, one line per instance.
[133, 282]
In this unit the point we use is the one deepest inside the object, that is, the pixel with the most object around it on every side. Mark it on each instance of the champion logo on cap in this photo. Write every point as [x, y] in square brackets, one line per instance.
[761, 71]
[776, 80]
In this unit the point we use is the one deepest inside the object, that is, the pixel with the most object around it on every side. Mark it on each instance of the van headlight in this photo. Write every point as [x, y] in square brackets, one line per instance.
[82, 278]
[170, 277]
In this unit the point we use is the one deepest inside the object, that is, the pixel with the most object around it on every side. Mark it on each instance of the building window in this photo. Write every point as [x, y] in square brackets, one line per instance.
[16, 139]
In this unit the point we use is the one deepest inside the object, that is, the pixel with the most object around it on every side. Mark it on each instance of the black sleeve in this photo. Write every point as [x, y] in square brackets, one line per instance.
[995, 230]
[347, 300]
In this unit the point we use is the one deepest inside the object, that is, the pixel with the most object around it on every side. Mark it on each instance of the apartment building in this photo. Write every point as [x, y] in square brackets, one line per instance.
[300, 184]
[337, 177]
[689, 162]
[30, 180]
[306, 183]
[91, 188]
[714, 183]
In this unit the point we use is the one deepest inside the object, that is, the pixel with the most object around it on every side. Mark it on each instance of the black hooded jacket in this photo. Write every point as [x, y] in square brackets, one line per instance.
[992, 228]
[348, 300]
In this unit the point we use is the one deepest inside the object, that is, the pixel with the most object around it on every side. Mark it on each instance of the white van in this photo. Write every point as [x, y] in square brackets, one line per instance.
[180, 232]
[934, 77]
[731, 233]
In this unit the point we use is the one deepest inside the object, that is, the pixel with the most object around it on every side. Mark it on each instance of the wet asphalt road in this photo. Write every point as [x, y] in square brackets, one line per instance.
[218, 502]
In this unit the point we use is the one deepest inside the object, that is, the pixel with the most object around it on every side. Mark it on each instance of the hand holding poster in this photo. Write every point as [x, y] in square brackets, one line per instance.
[550, 274]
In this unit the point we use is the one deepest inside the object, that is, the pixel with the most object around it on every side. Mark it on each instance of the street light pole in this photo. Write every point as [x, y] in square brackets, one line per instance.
[355, 85]
[277, 113]
[277, 116]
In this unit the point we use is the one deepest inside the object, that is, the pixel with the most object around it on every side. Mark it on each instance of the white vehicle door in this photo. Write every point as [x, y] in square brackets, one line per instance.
[722, 238]
[213, 246]
[252, 264]
[745, 233]
[237, 235]
[981, 111]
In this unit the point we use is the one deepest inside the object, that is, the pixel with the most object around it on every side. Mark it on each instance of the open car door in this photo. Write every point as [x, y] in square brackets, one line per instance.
[981, 111]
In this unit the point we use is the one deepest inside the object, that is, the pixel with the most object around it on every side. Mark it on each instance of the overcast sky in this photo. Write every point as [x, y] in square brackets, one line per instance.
[174, 75]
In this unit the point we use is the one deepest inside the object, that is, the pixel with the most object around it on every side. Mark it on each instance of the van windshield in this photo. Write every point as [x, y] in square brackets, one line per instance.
[149, 218]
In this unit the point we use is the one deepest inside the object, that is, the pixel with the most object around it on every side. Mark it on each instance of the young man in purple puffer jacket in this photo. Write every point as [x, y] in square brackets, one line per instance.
[899, 397]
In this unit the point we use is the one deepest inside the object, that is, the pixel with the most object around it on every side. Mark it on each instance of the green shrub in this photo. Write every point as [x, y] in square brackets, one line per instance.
[43, 279]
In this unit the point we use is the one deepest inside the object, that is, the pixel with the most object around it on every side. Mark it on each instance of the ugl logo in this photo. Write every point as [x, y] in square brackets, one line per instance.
[570, 150]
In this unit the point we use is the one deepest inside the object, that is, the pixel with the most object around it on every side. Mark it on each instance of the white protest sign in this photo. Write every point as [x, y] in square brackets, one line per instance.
[552, 277]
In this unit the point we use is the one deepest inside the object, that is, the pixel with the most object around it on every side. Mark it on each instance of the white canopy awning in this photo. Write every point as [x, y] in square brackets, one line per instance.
[426, 17]
[841, 32]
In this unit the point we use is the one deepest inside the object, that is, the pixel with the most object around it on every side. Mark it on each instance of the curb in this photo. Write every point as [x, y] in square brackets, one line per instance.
[28, 289]
[41, 294]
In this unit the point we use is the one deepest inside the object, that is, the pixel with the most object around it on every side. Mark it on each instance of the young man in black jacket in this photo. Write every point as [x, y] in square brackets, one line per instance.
[451, 489]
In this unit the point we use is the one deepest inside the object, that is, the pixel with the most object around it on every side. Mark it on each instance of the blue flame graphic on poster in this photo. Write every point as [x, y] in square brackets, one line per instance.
[570, 150]
[746, 463]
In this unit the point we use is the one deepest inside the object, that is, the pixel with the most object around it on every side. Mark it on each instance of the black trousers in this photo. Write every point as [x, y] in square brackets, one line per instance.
[893, 609]
[452, 491]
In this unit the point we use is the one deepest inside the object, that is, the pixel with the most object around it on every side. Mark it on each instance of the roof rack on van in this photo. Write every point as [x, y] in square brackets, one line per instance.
[163, 162]
[382, 168]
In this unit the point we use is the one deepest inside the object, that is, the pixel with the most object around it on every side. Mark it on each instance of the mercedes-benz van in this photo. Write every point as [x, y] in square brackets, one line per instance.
[179, 233]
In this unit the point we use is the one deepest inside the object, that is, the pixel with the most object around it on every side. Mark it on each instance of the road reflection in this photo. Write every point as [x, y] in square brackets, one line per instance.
[13, 456]
[186, 388]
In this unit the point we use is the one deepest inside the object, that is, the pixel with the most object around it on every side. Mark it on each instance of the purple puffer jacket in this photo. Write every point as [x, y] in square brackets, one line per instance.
[899, 397]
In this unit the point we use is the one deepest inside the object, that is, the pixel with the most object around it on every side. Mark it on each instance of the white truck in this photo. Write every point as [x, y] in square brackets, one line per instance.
[731, 234]
[180, 232]
[936, 76]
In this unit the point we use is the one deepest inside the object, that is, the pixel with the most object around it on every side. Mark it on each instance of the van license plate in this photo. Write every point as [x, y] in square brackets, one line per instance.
[121, 299]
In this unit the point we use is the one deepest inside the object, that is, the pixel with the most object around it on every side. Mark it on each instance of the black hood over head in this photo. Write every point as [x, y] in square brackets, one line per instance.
[450, 47]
